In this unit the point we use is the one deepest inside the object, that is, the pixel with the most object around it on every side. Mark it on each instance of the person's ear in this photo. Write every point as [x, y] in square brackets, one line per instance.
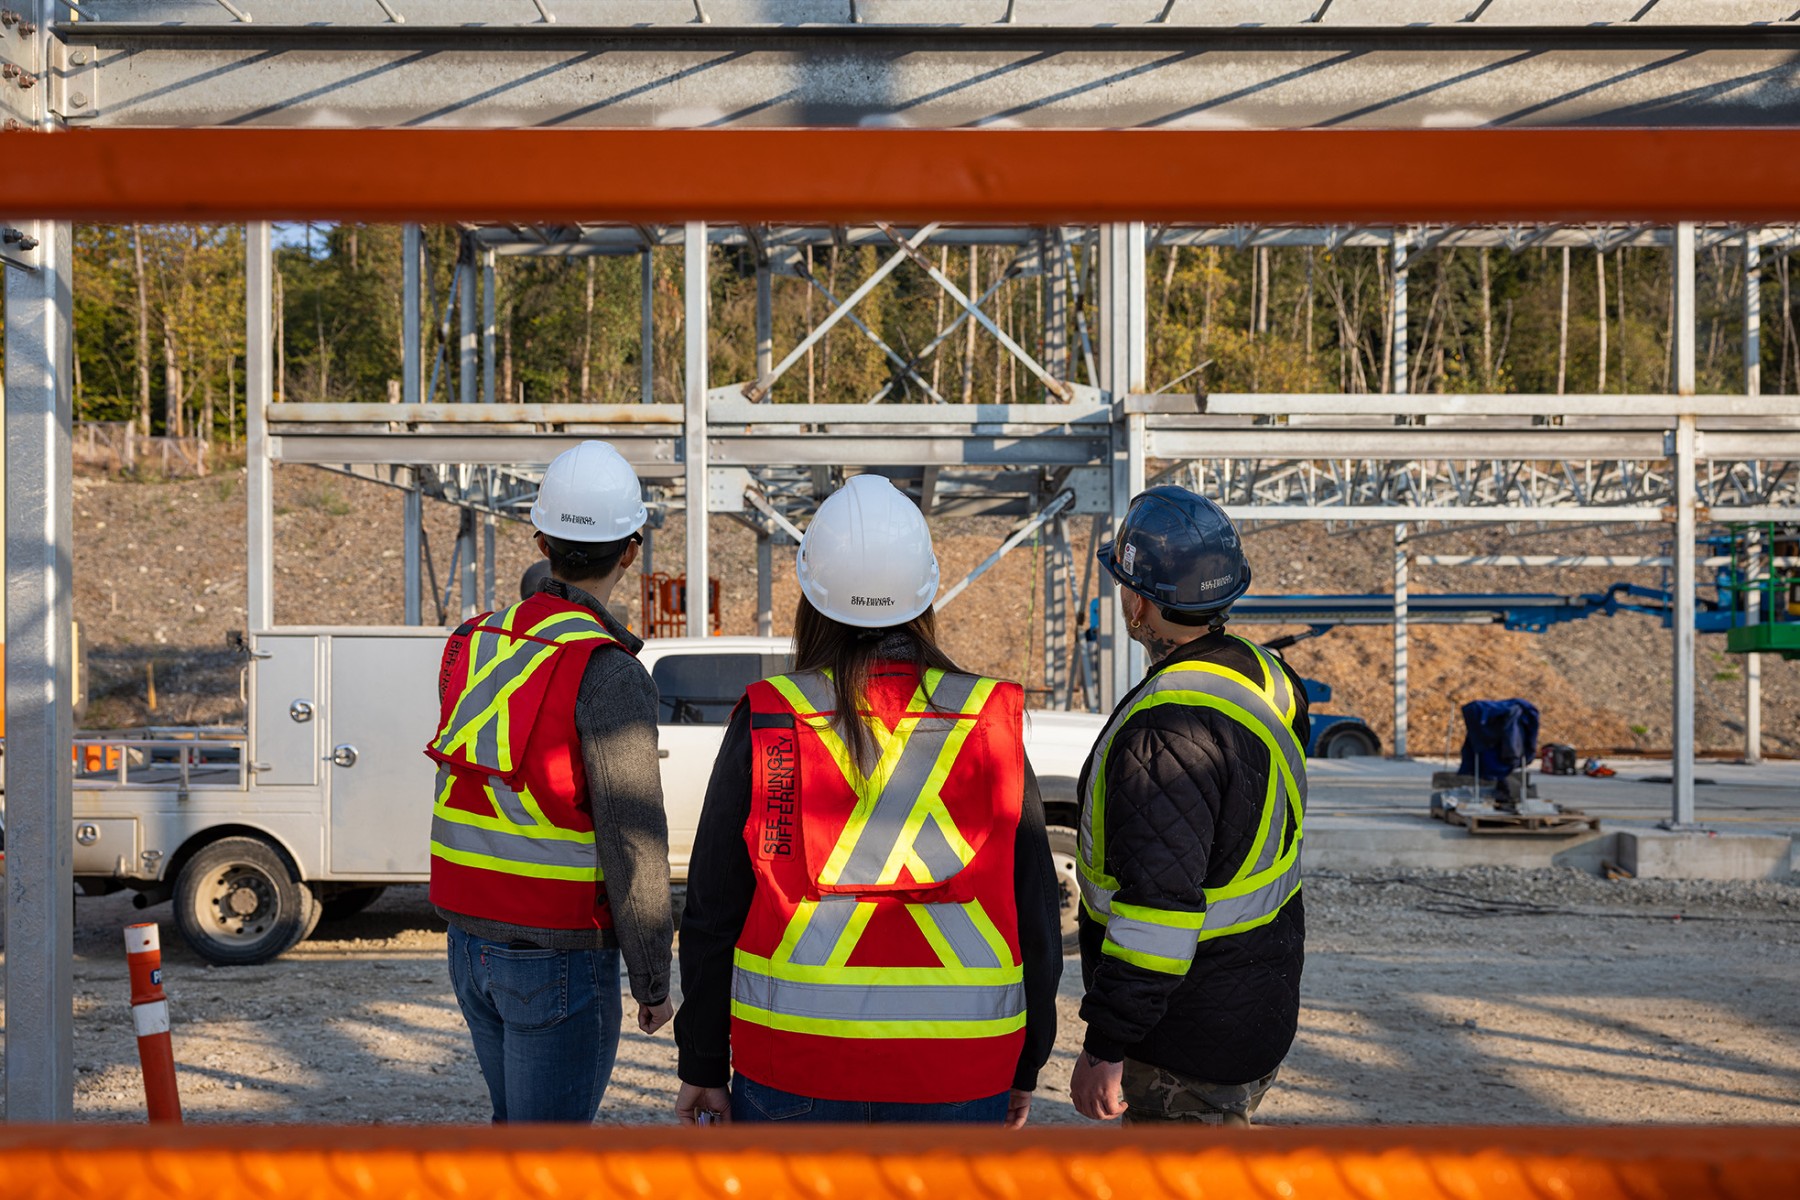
[542, 545]
[628, 559]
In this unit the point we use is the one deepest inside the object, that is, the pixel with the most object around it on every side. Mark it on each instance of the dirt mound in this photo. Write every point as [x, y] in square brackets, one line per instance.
[160, 571]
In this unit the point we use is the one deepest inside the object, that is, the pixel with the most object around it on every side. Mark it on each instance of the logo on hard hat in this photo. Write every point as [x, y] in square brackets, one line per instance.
[1129, 561]
[873, 601]
[1210, 584]
[576, 519]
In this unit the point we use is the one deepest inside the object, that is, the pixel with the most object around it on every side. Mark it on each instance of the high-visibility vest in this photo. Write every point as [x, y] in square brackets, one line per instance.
[880, 960]
[512, 839]
[1166, 940]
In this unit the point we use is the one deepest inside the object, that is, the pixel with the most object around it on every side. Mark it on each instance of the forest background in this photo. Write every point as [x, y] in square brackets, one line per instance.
[159, 322]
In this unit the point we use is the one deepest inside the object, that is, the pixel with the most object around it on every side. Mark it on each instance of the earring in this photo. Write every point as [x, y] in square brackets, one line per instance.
[1137, 624]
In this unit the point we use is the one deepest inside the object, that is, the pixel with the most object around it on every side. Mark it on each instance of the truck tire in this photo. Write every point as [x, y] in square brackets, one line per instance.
[1350, 741]
[1065, 853]
[238, 904]
[351, 901]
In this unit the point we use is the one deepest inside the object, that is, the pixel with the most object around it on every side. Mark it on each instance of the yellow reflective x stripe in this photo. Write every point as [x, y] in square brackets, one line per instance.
[508, 866]
[481, 718]
[863, 1028]
[902, 793]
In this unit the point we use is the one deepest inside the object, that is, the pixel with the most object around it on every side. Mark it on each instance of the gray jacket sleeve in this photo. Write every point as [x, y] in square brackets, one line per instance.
[615, 713]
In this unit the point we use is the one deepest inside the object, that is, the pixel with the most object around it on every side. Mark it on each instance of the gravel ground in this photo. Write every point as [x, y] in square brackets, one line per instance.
[1482, 996]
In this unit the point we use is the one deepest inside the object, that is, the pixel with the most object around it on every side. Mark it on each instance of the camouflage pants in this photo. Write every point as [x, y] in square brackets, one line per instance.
[1154, 1096]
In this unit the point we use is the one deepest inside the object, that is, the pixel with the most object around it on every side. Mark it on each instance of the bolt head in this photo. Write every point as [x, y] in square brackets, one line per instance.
[79, 99]
[79, 58]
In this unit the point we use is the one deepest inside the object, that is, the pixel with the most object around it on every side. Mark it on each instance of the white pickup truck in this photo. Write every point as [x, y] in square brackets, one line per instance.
[325, 799]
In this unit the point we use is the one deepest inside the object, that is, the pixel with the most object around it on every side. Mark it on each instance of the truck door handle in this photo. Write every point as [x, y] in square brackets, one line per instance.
[342, 756]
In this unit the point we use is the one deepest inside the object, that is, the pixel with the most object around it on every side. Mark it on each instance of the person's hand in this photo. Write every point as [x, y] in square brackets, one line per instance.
[1018, 1109]
[1095, 1087]
[652, 1017]
[692, 1100]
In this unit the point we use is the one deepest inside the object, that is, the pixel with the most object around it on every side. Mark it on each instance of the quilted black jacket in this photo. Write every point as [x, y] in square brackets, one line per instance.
[1184, 795]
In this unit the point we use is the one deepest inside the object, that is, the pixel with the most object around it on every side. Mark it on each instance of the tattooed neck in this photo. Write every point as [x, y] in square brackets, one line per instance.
[1159, 648]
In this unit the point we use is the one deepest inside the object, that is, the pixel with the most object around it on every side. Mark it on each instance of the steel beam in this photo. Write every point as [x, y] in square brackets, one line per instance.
[39, 876]
[936, 71]
[765, 589]
[1685, 451]
[411, 518]
[906, 176]
[1123, 361]
[694, 439]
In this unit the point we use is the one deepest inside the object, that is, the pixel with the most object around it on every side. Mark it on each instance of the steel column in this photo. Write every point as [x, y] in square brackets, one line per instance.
[1752, 387]
[466, 556]
[1756, 560]
[1398, 365]
[1057, 557]
[1685, 450]
[765, 586]
[411, 515]
[489, 532]
[487, 326]
[1123, 358]
[1056, 304]
[646, 327]
[1400, 645]
[693, 442]
[466, 342]
[39, 878]
[412, 249]
[259, 391]
[765, 318]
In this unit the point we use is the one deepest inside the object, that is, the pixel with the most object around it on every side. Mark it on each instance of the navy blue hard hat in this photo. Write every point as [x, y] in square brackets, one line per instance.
[1179, 550]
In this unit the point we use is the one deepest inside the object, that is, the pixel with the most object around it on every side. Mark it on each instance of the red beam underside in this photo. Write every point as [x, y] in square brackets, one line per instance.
[1017, 176]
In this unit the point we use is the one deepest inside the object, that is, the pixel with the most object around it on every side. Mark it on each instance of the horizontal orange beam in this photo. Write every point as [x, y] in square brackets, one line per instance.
[1018, 176]
[89, 1162]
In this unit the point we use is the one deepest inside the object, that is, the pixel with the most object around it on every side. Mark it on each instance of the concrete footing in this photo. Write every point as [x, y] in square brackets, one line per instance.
[1396, 843]
[1665, 854]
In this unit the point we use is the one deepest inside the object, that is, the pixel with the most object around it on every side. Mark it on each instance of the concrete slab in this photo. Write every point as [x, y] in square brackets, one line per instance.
[1370, 814]
[1663, 854]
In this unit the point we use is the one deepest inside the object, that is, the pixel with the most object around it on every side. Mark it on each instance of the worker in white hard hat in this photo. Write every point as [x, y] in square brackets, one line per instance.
[871, 930]
[549, 843]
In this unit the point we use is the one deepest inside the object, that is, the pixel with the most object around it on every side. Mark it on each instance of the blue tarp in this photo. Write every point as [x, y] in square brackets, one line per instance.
[1501, 737]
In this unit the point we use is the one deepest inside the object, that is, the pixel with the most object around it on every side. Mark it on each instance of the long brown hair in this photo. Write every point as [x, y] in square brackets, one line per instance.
[822, 644]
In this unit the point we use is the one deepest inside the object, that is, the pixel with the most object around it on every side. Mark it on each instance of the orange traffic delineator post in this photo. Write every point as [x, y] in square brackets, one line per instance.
[150, 1014]
[87, 1162]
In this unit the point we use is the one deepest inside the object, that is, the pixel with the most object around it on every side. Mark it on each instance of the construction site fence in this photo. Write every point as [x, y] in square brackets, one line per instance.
[118, 446]
[88, 1162]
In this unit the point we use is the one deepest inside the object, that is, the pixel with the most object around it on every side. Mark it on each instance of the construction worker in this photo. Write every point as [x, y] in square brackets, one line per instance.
[1192, 930]
[549, 844]
[871, 928]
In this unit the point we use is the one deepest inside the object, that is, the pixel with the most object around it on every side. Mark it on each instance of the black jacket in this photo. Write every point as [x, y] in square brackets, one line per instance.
[721, 884]
[1184, 797]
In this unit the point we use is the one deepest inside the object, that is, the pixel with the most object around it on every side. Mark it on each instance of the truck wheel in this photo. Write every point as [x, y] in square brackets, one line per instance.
[1351, 741]
[1064, 853]
[238, 904]
[351, 901]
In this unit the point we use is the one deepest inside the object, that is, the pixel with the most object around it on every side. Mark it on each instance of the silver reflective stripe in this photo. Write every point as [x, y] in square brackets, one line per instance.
[952, 692]
[958, 928]
[824, 931]
[1145, 937]
[511, 807]
[887, 1002]
[881, 833]
[513, 847]
[1095, 896]
[1224, 915]
[934, 849]
[817, 689]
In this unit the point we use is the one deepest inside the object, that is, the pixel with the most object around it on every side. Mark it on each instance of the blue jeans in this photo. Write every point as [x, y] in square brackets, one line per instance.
[755, 1102]
[545, 1024]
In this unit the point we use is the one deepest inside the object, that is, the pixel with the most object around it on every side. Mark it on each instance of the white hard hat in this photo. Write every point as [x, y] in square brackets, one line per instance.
[866, 558]
[589, 494]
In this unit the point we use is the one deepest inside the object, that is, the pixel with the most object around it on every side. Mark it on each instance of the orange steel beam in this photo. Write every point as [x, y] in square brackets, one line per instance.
[902, 1163]
[1022, 176]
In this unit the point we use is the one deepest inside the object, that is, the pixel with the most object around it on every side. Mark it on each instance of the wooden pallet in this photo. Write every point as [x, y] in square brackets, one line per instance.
[1562, 824]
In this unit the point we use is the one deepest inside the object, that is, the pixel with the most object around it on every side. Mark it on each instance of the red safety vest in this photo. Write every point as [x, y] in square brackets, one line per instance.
[512, 838]
[880, 960]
